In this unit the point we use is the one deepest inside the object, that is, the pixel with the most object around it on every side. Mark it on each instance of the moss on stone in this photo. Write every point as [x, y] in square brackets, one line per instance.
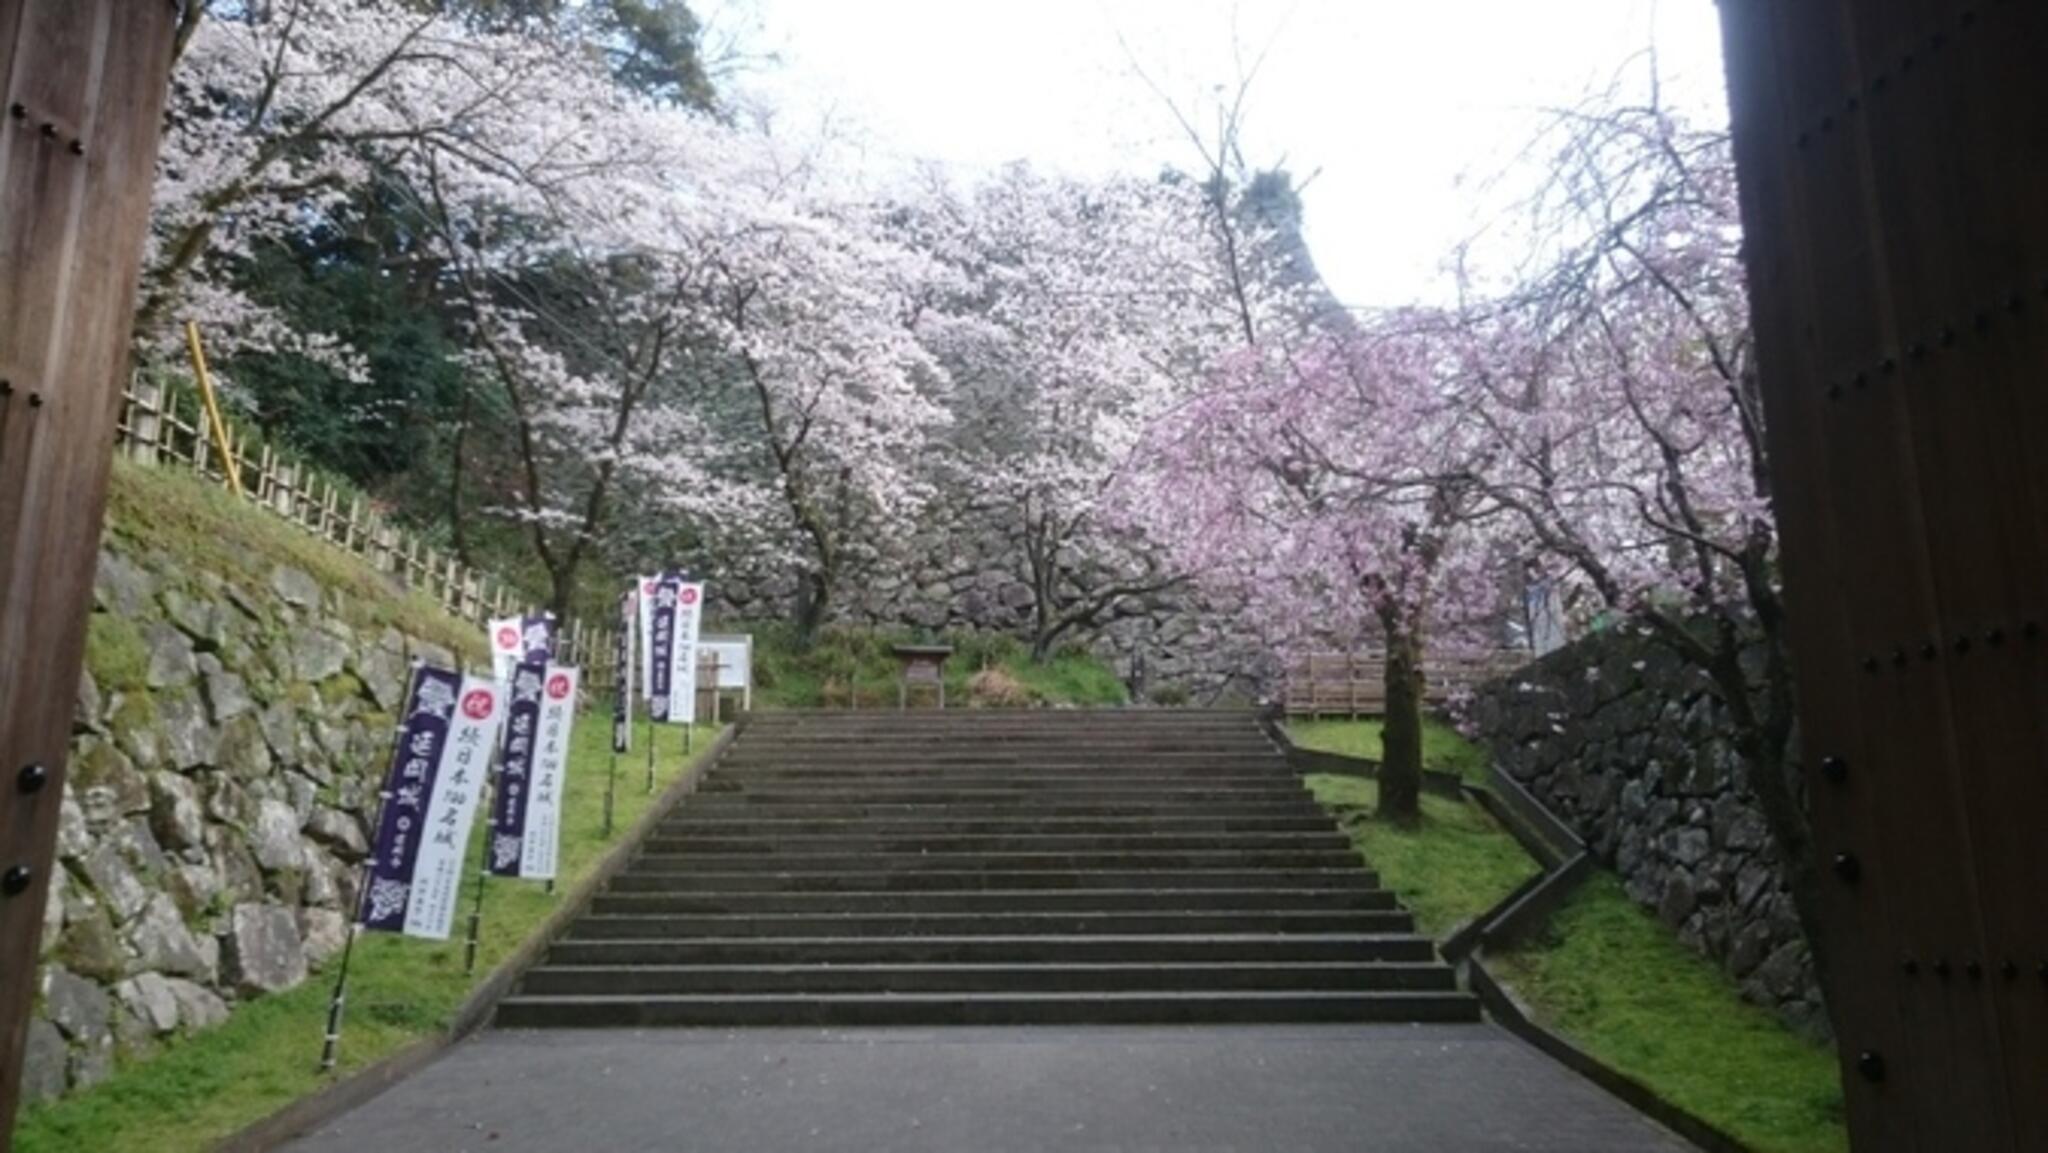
[115, 654]
[342, 687]
[91, 948]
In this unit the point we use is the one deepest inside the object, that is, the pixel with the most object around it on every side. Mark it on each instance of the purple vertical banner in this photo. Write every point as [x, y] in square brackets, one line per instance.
[537, 638]
[661, 639]
[622, 674]
[415, 762]
[515, 769]
[520, 640]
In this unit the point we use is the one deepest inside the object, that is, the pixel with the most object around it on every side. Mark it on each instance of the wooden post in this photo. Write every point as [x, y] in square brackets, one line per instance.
[213, 418]
[145, 420]
[77, 157]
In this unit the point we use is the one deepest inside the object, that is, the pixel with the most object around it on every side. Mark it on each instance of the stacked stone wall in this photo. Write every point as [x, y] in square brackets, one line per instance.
[1627, 742]
[227, 742]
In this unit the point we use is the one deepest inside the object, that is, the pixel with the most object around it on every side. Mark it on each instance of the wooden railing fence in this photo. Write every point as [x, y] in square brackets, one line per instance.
[1353, 684]
[153, 430]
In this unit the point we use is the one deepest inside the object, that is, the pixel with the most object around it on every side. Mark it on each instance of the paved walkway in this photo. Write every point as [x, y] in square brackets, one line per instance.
[1269, 1089]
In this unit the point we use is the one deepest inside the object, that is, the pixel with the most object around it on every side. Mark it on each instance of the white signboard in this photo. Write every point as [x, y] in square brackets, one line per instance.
[460, 774]
[735, 652]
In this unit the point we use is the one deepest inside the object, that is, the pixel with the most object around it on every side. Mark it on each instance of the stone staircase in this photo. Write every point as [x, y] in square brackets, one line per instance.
[927, 868]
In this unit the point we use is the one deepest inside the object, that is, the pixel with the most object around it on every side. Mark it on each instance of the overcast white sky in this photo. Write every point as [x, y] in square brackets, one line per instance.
[1403, 110]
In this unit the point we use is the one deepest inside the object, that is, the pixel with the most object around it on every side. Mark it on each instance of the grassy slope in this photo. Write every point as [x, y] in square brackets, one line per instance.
[203, 527]
[1442, 747]
[843, 659]
[1615, 981]
[197, 1091]
[1608, 976]
[1453, 866]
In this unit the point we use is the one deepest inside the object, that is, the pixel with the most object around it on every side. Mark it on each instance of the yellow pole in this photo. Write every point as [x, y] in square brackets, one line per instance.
[220, 429]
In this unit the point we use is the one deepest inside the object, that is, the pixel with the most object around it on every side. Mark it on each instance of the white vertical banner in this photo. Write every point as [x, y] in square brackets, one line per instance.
[506, 635]
[649, 586]
[682, 678]
[543, 834]
[461, 772]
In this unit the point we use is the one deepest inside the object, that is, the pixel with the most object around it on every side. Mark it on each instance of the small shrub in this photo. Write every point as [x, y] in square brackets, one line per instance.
[1170, 695]
[993, 688]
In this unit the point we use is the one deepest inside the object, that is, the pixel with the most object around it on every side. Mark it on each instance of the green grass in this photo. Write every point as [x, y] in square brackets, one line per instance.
[1442, 746]
[203, 527]
[1449, 869]
[854, 667]
[1612, 979]
[200, 1089]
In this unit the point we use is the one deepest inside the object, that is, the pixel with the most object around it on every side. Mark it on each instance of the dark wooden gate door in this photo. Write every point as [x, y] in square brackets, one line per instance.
[83, 82]
[1894, 163]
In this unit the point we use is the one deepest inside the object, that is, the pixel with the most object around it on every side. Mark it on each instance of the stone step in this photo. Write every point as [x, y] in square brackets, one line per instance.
[855, 840]
[994, 748]
[657, 980]
[996, 901]
[892, 768]
[855, 1009]
[1050, 718]
[1263, 791]
[1167, 921]
[996, 789]
[904, 881]
[1150, 949]
[726, 806]
[688, 823]
[1175, 861]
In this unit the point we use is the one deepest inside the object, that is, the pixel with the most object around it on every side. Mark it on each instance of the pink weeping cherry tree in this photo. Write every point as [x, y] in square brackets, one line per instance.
[1617, 390]
[1331, 493]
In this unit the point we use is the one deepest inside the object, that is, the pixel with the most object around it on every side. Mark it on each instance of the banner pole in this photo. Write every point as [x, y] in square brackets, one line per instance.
[611, 790]
[476, 909]
[338, 1000]
[652, 729]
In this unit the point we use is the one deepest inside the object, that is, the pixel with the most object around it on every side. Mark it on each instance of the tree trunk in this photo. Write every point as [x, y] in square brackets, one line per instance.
[562, 586]
[813, 603]
[1401, 738]
[457, 522]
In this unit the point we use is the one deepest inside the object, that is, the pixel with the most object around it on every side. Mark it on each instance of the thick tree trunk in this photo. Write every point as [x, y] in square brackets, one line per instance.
[562, 587]
[813, 604]
[457, 522]
[1041, 645]
[1401, 738]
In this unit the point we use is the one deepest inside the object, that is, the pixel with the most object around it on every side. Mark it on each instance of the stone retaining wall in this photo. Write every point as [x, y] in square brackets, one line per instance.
[960, 576]
[226, 746]
[1629, 744]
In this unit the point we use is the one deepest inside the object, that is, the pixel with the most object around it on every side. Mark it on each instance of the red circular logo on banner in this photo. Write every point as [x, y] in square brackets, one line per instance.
[478, 704]
[647, 587]
[689, 596]
[558, 686]
[508, 637]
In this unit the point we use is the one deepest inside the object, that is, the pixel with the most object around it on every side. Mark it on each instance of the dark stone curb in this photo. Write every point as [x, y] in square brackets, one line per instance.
[1523, 913]
[1518, 916]
[1506, 1013]
[307, 1113]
